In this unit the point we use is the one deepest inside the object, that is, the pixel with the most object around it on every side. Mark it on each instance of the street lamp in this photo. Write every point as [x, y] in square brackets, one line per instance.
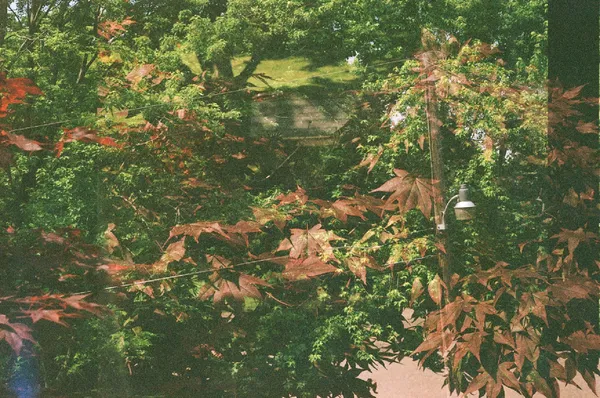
[462, 208]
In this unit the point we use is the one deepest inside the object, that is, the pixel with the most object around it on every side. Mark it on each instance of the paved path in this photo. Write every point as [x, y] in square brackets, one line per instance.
[405, 380]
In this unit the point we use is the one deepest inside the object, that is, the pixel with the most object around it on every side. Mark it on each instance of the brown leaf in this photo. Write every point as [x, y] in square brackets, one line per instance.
[371, 159]
[540, 300]
[590, 379]
[541, 384]
[15, 342]
[83, 134]
[298, 269]
[459, 354]
[264, 216]
[522, 246]
[557, 370]
[340, 209]
[432, 342]
[175, 252]
[506, 377]
[570, 369]
[573, 288]
[481, 310]
[504, 338]
[473, 341]
[582, 342]
[358, 265]
[450, 313]
[422, 142]
[21, 142]
[416, 290]
[14, 333]
[220, 288]
[111, 240]
[199, 228]
[112, 268]
[138, 73]
[410, 192]
[574, 237]
[572, 93]
[435, 289]
[587, 128]
[355, 265]
[310, 242]
[526, 349]
[49, 315]
[493, 389]
[297, 196]
[440, 246]
[14, 91]
[218, 262]
[110, 29]
[478, 383]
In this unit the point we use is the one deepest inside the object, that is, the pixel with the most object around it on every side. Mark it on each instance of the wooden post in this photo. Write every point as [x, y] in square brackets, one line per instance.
[428, 59]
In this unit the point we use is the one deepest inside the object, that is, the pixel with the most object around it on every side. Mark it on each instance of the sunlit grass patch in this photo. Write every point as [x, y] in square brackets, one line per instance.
[296, 72]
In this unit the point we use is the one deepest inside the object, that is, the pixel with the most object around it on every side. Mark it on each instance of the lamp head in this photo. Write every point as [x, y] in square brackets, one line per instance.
[464, 207]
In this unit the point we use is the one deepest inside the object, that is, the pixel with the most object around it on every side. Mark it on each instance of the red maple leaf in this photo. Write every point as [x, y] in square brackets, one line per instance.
[14, 333]
[139, 72]
[358, 266]
[175, 252]
[303, 268]
[219, 288]
[198, 228]
[310, 242]
[299, 195]
[21, 142]
[340, 209]
[14, 90]
[83, 134]
[371, 160]
[49, 315]
[109, 29]
[410, 192]
[264, 216]
[573, 237]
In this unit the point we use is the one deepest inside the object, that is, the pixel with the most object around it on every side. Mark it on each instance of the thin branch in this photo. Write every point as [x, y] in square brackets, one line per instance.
[282, 163]
[16, 16]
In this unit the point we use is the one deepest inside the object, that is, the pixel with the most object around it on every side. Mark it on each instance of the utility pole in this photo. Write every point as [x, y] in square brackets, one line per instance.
[430, 55]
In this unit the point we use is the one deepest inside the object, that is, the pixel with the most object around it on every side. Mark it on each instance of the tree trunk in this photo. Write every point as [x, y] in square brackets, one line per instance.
[242, 79]
[3, 20]
[224, 68]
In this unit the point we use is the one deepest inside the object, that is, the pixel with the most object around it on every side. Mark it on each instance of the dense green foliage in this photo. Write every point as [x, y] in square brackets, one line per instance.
[276, 269]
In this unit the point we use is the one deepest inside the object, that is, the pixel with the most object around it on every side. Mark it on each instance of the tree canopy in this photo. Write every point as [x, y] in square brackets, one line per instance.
[157, 239]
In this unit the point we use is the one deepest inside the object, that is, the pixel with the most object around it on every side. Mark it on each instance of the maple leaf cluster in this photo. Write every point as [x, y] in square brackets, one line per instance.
[464, 326]
[409, 192]
[110, 29]
[50, 307]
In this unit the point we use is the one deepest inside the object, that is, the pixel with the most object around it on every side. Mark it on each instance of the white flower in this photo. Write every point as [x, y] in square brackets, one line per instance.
[396, 118]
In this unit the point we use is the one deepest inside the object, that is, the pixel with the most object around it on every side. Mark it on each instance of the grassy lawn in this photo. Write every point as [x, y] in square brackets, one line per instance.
[295, 72]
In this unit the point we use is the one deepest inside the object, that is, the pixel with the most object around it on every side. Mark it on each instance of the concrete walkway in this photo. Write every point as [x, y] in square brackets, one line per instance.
[405, 380]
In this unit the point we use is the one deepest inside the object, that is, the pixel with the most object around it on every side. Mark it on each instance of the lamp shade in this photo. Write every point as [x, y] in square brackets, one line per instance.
[464, 207]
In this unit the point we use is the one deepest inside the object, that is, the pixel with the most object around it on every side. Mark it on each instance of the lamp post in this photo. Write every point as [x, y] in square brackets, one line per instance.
[462, 210]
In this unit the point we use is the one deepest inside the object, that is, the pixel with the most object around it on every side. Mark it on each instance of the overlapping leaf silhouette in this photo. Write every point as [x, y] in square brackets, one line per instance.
[410, 192]
[310, 242]
[220, 288]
